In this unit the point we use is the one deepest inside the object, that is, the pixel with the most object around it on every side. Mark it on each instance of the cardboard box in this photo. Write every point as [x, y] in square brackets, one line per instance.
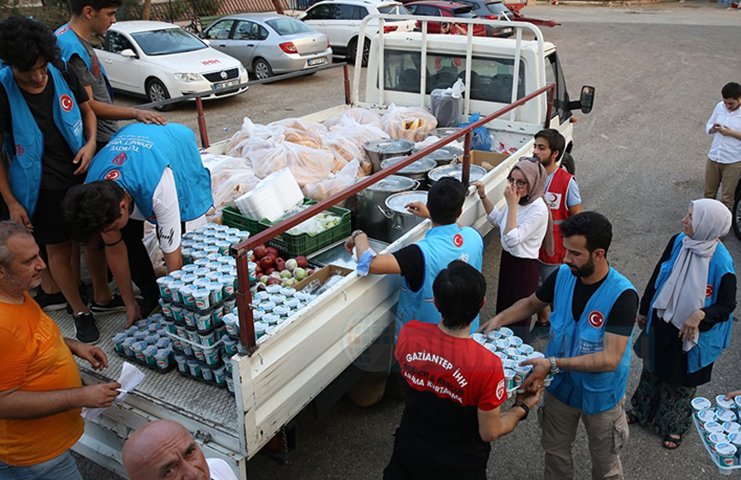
[488, 160]
[322, 275]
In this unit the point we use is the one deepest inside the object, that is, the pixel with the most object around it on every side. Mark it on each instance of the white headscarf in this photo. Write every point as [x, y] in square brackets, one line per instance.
[683, 293]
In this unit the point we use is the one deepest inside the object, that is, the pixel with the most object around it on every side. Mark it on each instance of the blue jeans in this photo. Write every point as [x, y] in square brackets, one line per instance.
[62, 467]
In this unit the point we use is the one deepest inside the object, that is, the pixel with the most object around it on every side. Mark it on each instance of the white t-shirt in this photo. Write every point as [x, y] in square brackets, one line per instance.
[725, 149]
[532, 223]
[167, 212]
[220, 470]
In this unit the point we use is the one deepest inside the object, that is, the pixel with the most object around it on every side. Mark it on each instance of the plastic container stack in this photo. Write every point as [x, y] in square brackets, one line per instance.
[719, 426]
[210, 242]
[147, 343]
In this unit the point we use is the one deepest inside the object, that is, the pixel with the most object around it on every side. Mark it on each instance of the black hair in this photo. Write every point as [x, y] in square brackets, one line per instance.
[555, 140]
[731, 90]
[76, 6]
[459, 291]
[445, 200]
[23, 41]
[595, 227]
[91, 207]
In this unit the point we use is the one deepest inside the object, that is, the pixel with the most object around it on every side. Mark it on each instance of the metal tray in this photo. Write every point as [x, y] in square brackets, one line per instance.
[336, 254]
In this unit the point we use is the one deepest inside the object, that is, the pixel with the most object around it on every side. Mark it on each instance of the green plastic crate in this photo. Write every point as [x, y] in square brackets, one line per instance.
[305, 244]
[231, 217]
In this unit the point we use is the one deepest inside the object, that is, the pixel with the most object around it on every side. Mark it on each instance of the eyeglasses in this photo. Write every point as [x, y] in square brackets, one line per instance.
[519, 183]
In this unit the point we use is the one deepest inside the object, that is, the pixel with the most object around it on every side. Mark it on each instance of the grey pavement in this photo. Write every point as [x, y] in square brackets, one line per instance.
[658, 70]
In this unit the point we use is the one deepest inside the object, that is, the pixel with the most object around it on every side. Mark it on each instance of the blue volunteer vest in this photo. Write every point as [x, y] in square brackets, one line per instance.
[25, 145]
[70, 45]
[590, 392]
[441, 245]
[712, 342]
[138, 154]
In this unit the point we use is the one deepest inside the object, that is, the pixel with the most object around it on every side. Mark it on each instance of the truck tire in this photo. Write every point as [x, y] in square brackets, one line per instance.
[736, 221]
[567, 162]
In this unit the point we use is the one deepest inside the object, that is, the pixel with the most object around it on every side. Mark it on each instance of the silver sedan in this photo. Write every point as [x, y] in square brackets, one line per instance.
[268, 44]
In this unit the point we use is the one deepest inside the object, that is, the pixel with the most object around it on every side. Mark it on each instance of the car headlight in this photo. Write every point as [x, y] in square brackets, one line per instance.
[242, 70]
[187, 77]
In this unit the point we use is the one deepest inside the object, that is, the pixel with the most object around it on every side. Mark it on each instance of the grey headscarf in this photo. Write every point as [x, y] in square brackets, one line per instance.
[536, 176]
[683, 293]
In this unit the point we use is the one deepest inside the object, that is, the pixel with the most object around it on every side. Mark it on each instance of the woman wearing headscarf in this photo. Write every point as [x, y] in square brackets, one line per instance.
[525, 225]
[685, 314]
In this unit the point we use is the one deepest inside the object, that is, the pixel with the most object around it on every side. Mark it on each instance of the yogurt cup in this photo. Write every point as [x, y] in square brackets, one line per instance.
[509, 376]
[204, 321]
[735, 439]
[189, 318]
[138, 347]
[260, 328]
[525, 349]
[231, 322]
[271, 319]
[128, 346]
[706, 415]
[163, 342]
[547, 380]
[229, 345]
[163, 283]
[292, 303]
[189, 278]
[700, 403]
[716, 438]
[211, 356]
[511, 352]
[726, 454]
[506, 332]
[271, 330]
[182, 363]
[141, 336]
[207, 339]
[479, 338]
[227, 285]
[278, 299]
[282, 310]
[731, 427]
[201, 262]
[211, 249]
[151, 339]
[288, 291]
[267, 306]
[213, 276]
[202, 299]
[194, 368]
[306, 297]
[491, 347]
[261, 296]
[118, 340]
[724, 403]
[737, 402]
[202, 282]
[509, 364]
[502, 343]
[153, 327]
[220, 375]
[131, 330]
[725, 415]
[515, 341]
[187, 296]
[198, 353]
[162, 358]
[180, 331]
[201, 272]
[225, 269]
[273, 289]
[230, 383]
[521, 374]
[207, 374]
[494, 335]
[229, 304]
[217, 317]
[190, 268]
[176, 274]
[225, 260]
[216, 292]
[536, 355]
[712, 427]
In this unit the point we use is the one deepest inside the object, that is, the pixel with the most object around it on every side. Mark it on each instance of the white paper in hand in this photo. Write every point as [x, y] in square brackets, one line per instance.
[130, 377]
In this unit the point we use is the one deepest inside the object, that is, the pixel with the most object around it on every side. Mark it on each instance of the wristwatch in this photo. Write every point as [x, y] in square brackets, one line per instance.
[525, 408]
[355, 234]
[554, 366]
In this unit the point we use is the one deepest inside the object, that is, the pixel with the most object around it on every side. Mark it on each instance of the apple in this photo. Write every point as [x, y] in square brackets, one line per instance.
[286, 274]
[273, 281]
[273, 251]
[301, 261]
[280, 264]
[267, 261]
[264, 279]
[260, 251]
[291, 264]
[288, 282]
[269, 271]
[275, 274]
[299, 273]
[309, 272]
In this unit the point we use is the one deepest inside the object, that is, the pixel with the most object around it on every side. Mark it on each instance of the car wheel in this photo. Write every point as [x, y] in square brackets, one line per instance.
[262, 69]
[156, 92]
[737, 217]
[352, 48]
[567, 162]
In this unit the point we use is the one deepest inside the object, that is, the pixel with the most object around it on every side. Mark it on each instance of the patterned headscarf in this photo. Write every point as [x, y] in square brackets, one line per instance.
[536, 176]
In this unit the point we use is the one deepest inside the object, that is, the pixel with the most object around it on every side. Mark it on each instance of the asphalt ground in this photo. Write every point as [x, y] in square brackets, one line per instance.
[658, 70]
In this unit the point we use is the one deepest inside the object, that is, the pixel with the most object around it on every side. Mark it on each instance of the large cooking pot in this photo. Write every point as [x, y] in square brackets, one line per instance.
[416, 171]
[400, 220]
[456, 171]
[444, 155]
[379, 150]
[443, 132]
[369, 209]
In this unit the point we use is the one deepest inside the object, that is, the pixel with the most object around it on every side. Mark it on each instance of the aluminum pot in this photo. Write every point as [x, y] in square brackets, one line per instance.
[416, 171]
[369, 209]
[379, 150]
[444, 155]
[400, 220]
[455, 171]
[443, 132]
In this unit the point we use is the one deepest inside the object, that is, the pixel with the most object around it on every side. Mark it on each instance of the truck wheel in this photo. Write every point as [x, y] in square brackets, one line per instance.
[737, 217]
[567, 162]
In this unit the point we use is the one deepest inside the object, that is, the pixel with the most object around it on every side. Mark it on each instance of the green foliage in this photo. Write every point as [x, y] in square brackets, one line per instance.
[130, 10]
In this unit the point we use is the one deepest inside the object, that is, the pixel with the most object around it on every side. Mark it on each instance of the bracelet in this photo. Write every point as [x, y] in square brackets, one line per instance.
[525, 408]
[482, 197]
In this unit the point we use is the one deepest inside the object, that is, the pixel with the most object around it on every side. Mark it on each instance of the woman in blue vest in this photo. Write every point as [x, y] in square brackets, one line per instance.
[685, 314]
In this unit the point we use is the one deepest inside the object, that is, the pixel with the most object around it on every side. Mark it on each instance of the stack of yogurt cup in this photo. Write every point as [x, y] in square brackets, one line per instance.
[209, 239]
[720, 427]
[147, 343]
[512, 351]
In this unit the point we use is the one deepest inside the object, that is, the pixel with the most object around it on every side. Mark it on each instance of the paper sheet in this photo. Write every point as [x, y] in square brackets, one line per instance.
[130, 377]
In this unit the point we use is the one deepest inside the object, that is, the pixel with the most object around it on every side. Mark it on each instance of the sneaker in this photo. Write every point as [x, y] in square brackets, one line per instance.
[115, 305]
[50, 301]
[85, 329]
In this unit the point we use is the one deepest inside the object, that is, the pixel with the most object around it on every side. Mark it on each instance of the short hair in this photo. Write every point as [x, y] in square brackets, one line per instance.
[445, 200]
[554, 138]
[595, 227]
[23, 41]
[76, 6]
[91, 207]
[459, 291]
[9, 229]
[731, 90]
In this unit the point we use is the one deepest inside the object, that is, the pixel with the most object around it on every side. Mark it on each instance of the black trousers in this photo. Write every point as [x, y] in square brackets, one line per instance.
[142, 271]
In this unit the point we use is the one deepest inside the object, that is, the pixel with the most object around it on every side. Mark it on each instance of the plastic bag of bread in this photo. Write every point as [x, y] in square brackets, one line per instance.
[251, 132]
[346, 150]
[410, 123]
[355, 116]
[268, 160]
[334, 184]
[308, 134]
[308, 165]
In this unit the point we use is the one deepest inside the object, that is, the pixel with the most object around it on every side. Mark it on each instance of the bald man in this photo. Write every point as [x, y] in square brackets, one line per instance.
[164, 449]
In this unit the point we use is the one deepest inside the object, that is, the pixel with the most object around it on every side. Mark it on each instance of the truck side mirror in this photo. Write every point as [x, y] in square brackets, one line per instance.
[586, 99]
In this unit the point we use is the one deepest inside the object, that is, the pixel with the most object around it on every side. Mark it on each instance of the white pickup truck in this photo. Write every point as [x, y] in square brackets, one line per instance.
[285, 372]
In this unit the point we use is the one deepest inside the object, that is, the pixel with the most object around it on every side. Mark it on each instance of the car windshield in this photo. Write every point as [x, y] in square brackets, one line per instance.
[497, 7]
[167, 41]
[288, 26]
[394, 10]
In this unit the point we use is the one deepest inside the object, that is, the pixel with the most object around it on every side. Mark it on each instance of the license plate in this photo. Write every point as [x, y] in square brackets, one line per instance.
[227, 84]
[317, 61]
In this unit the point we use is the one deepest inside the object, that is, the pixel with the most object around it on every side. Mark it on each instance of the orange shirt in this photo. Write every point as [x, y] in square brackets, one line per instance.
[34, 357]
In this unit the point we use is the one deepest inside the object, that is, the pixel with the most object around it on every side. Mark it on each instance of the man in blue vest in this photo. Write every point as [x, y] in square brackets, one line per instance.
[594, 308]
[145, 172]
[90, 18]
[49, 136]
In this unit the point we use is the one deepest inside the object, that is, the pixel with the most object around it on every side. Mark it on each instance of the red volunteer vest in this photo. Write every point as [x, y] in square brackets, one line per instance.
[555, 198]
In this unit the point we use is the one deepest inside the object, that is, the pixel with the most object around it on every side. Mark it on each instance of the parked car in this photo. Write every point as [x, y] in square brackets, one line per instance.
[446, 9]
[492, 10]
[159, 60]
[340, 21]
[269, 43]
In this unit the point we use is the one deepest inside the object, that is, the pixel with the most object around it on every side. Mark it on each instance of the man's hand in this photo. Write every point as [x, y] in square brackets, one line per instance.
[132, 314]
[725, 131]
[83, 158]
[690, 329]
[715, 128]
[531, 397]
[19, 215]
[641, 321]
[146, 116]
[99, 396]
[93, 355]
[731, 395]
[534, 381]
[492, 324]
[419, 209]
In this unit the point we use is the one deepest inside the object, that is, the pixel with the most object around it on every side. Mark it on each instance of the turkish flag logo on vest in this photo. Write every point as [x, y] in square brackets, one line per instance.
[65, 101]
[458, 240]
[596, 319]
[709, 291]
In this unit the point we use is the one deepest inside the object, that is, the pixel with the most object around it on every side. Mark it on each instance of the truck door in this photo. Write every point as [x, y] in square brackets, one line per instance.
[553, 73]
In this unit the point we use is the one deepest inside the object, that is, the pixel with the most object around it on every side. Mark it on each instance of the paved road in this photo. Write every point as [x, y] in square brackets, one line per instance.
[658, 71]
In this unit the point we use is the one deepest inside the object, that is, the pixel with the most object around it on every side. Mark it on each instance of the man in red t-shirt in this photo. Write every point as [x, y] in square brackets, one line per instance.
[457, 388]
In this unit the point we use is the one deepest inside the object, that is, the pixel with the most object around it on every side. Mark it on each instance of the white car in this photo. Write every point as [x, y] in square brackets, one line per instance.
[340, 20]
[159, 60]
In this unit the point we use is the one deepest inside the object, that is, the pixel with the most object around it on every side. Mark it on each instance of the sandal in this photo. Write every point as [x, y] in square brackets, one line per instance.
[671, 441]
[631, 418]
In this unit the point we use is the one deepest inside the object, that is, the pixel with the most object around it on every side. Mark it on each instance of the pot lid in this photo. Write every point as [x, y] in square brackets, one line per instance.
[423, 165]
[393, 183]
[455, 171]
[445, 154]
[398, 201]
[389, 146]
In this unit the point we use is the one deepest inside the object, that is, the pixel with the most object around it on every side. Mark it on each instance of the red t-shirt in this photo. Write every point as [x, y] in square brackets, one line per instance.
[457, 369]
